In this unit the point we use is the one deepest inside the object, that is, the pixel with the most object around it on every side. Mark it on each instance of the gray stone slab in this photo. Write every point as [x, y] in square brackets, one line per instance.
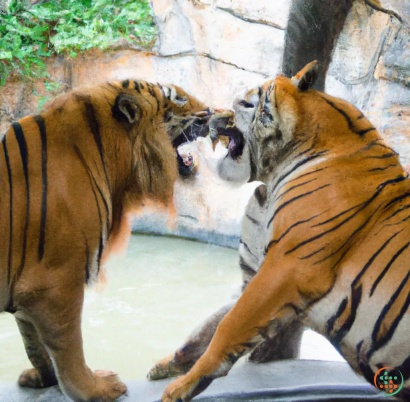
[291, 380]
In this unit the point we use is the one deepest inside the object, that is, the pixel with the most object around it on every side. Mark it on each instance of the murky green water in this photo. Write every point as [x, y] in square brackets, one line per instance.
[156, 294]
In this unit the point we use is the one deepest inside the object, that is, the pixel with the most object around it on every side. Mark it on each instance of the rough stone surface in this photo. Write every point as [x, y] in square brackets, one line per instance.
[215, 49]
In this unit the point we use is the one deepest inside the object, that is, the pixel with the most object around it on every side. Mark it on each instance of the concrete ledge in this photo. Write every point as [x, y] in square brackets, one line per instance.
[291, 380]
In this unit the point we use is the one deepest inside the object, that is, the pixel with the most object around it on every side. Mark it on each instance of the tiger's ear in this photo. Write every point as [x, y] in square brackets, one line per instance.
[126, 108]
[306, 77]
[171, 93]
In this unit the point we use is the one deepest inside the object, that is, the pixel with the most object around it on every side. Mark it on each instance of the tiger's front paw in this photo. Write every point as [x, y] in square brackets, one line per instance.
[32, 378]
[171, 366]
[185, 388]
[164, 368]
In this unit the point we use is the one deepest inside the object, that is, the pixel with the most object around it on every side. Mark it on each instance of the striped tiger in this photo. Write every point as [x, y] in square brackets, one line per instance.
[68, 178]
[312, 31]
[332, 223]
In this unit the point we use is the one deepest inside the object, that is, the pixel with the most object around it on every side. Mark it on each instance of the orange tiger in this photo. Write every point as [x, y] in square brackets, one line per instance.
[328, 235]
[68, 178]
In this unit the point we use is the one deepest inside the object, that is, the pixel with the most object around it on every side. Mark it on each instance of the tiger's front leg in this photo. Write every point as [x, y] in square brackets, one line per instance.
[187, 355]
[272, 301]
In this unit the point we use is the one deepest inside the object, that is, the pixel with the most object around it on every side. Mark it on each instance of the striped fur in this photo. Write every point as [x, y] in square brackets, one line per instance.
[329, 239]
[68, 179]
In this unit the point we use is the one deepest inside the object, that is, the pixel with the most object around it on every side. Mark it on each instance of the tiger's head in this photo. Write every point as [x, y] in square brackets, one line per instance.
[261, 128]
[183, 117]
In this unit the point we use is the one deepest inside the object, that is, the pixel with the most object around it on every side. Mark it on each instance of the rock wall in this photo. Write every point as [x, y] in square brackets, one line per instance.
[215, 49]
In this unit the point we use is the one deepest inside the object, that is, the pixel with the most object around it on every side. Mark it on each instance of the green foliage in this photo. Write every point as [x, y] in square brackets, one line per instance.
[28, 34]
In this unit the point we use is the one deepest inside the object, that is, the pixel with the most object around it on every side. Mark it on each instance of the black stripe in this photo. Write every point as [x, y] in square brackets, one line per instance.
[397, 212]
[91, 179]
[253, 220]
[136, 87]
[246, 267]
[377, 344]
[380, 144]
[372, 258]
[381, 276]
[126, 84]
[100, 251]
[397, 223]
[363, 132]
[314, 253]
[150, 180]
[339, 260]
[247, 248]
[6, 156]
[364, 366]
[95, 130]
[292, 200]
[307, 174]
[394, 200]
[347, 325]
[274, 241]
[350, 237]
[336, 216]
[341, 111]
[303, 152]
[384, 156]
[299, 164]
[151, 91]
[382, 168]
[162, 91]
[18, 132]
[331, 321]
[348, 120]
[107, 209]
[87, 264]
[293, 187]
[370, 145]
[41, 126]
[365, 204]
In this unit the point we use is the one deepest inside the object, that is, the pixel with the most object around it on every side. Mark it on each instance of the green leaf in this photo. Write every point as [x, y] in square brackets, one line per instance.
[6, 55]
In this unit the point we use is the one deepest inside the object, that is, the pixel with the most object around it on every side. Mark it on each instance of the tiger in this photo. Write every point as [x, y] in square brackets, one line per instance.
[69, 177]
[312, 31]
[332, 224]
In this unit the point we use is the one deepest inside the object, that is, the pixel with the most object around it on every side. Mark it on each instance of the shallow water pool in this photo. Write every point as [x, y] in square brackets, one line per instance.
[155, 295]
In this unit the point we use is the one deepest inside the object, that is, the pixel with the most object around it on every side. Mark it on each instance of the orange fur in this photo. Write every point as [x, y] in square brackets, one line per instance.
[69, 179]
[332, 236]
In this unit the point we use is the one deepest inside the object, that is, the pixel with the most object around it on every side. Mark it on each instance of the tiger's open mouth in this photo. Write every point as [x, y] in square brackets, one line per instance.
[236, 141]
[194, 127]
[223, 129]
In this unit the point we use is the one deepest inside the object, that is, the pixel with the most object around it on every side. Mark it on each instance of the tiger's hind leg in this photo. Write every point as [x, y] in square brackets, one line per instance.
[56, 316]
[186, 356]
[42, 375]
